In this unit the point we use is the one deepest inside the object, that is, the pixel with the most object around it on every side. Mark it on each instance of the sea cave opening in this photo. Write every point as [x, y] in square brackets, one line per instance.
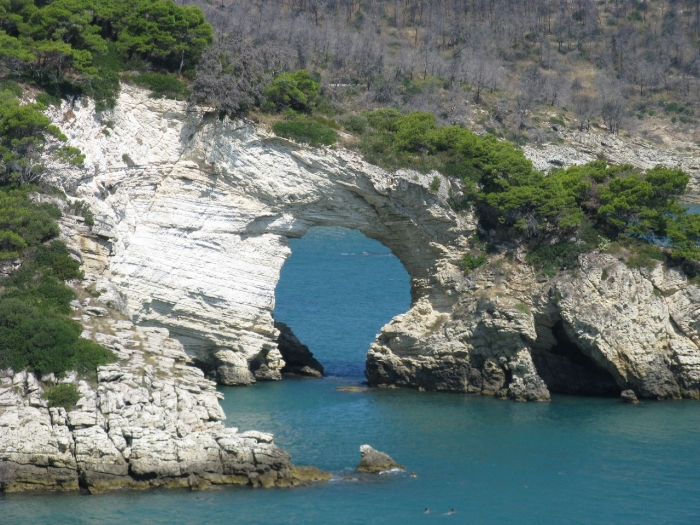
[565, 368]
[336, 291]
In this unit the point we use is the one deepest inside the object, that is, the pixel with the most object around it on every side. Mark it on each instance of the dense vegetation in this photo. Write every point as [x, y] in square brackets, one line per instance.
[64, 395]
[36, 331]
[562, 214]
[76, 47]
[25, 133]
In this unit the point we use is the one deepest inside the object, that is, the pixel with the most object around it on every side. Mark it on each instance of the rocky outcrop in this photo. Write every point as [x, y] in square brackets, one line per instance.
[579, 147]
[148, 420]
[598, 330]
[298, 359]
[629, 397]
[374, 461]
[193, 215]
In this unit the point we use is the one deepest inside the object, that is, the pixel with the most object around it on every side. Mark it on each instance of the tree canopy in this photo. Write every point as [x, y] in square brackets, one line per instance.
[515, 200]
[67, 46]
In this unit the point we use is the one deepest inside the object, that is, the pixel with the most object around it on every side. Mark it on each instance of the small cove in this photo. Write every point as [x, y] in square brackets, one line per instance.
[573, 460]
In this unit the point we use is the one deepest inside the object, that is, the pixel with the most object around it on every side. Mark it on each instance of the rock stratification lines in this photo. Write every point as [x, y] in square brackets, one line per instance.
[195, 214]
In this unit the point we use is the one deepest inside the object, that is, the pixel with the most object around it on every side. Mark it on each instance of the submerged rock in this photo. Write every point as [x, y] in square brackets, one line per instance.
[354, 389]
[374, 461]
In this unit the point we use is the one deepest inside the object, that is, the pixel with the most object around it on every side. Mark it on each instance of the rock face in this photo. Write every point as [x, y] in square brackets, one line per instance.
[193, 216]
[628, 396]
[374, 462]
[149, 420]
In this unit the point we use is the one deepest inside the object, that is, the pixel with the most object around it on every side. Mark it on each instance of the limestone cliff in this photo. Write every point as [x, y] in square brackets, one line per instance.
[149, 420]
[194, 214]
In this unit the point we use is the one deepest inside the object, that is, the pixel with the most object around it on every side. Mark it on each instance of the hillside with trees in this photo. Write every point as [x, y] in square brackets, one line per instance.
[610, 63]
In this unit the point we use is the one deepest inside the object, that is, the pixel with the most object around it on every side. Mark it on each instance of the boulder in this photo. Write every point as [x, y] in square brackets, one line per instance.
[628, 396]
[374, 461]
[297, 357]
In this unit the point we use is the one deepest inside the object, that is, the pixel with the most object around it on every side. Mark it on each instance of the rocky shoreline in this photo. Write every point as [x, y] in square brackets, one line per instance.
[192, 221]
[150, 420]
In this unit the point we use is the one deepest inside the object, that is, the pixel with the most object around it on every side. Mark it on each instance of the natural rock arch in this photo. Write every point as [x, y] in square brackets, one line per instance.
[193, 215]
[197, 222]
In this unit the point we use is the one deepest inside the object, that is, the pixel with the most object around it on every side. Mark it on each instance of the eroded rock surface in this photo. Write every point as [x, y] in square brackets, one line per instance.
[373, 461]
[148, 420]
[194, 214]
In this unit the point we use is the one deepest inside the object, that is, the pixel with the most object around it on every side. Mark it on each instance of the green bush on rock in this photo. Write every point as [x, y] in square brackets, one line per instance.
[306, 130]
[296, 91]
[64, 395]
[35, 330]
[163, 86]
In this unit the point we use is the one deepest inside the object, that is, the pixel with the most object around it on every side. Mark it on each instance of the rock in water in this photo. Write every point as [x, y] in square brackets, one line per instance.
[374, 461]
[628, 396]
[297, 357]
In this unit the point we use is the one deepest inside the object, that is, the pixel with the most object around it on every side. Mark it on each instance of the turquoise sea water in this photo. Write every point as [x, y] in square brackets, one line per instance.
[570, 461]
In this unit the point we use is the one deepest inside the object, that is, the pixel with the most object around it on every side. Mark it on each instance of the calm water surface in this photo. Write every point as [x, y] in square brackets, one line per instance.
[570, 461]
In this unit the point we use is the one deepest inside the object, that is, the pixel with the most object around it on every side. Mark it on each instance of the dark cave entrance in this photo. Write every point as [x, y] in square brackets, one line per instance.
[336, 291]
[565, 369]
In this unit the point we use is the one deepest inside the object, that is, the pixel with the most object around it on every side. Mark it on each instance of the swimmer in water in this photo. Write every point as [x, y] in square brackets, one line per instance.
[414, 475]
[452, 511]
[426, 511]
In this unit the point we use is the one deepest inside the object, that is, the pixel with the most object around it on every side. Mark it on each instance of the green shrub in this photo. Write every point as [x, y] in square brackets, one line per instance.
[383, 119]
[305, 130]
[35, 330]
[645, 256]
[47, 100]
[435, 184]
[550, 258]
[33, 223]
[11, 245]
[81, 208]
[297, 91]
[56, 260]
[43, 340]
[470, 262]
[11, 87]
[523, 308]
[64, 395]
[356, 124]
[163, 86]
[71, 155]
